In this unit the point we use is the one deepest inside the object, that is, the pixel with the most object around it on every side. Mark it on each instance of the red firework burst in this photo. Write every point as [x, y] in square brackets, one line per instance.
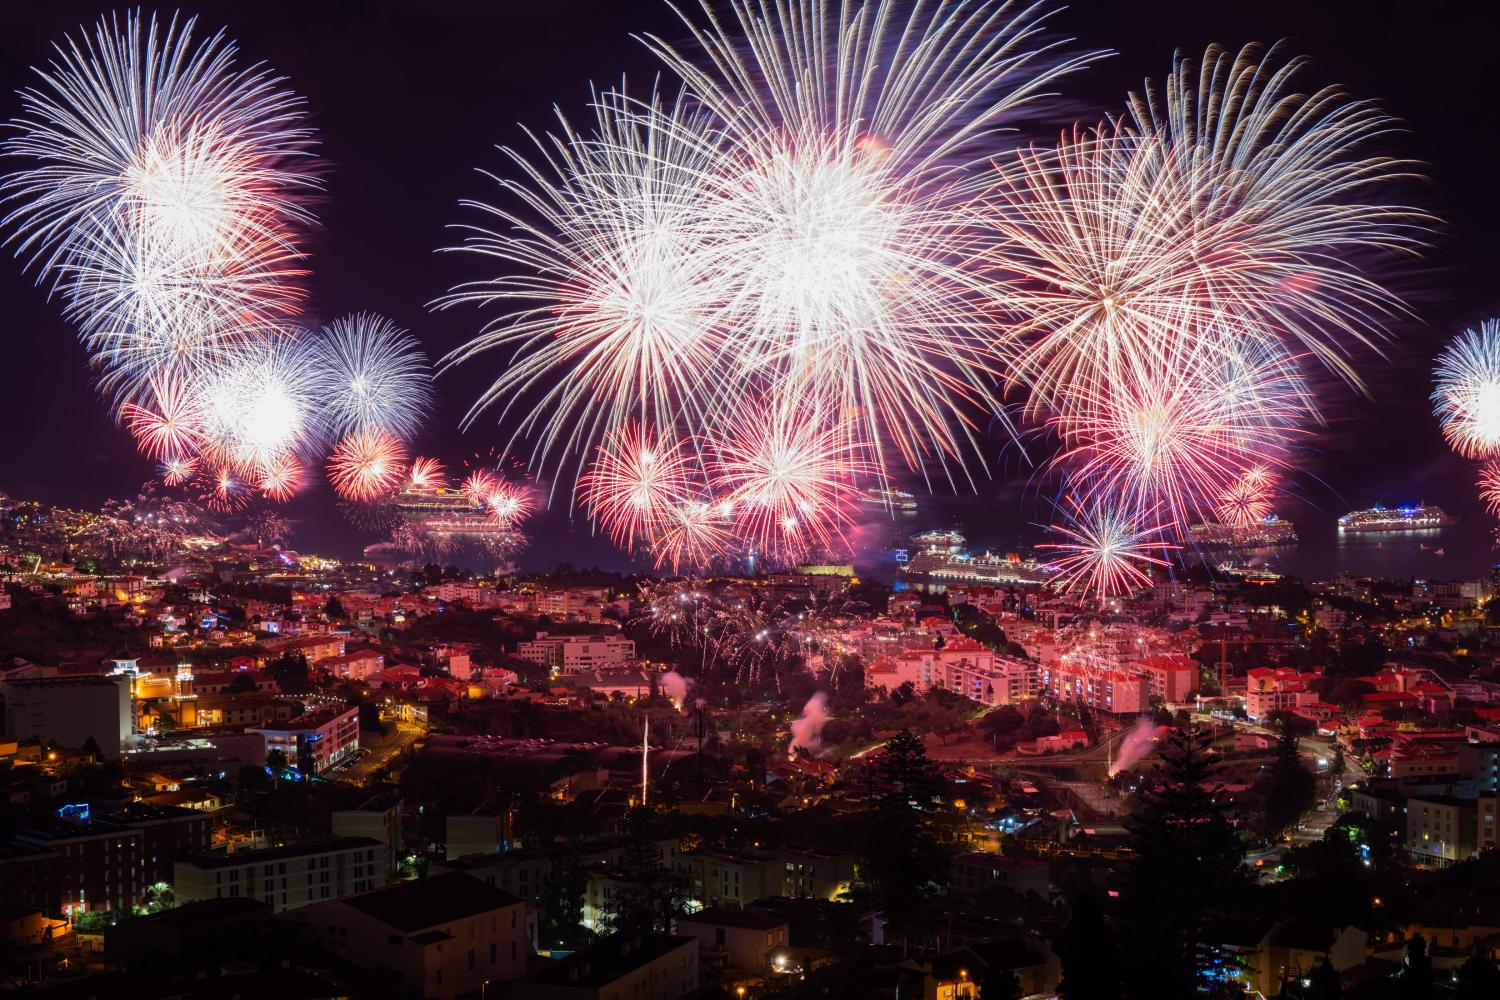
[427, 474]
[366, 465]
[637, 483]
[282, 478]
[172, 425]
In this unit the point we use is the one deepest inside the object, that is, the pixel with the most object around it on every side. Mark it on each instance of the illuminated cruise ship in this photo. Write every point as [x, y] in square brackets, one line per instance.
[899, 501]
[1264, 533]
[1378, 518]
[941, 558]
[444, 512]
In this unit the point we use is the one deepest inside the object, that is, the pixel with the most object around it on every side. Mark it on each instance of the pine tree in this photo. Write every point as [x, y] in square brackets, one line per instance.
[653, 894]
[562, 902]
[903, 862]
[1185, 857]
[1087, 950]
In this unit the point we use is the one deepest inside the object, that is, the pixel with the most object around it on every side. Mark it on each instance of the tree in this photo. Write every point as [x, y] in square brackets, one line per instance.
[1323, 982]
[91, 747]
[334, 608]
[1289, 789]
[1478, 978]
[1087, 951]
[562, 902]
[290, 673]
[653, 894]
[1185, 858]
[243, 682]
[1414, 980]
[903, 863]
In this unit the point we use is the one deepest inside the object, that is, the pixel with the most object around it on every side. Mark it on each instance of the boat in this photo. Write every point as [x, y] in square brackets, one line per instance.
[898, 501]
[1265, 533]
[941, 558]
[1420, 517]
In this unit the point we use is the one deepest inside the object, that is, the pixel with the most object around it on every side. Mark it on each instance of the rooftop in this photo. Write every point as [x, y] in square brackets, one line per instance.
[279, 853]
[607, 960]
[425, 903]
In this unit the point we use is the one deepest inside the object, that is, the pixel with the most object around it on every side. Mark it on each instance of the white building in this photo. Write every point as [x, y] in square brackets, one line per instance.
[285, 877]
[576, 654]
[315, 742]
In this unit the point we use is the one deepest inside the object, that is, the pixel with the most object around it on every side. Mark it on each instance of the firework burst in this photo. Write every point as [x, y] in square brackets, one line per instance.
[637, 484]
[171, 425]
[374, 375]
[1466, 399]
[427, 475]
[1489, 486]
[367, 465]
[1106, 549]
[788, 476]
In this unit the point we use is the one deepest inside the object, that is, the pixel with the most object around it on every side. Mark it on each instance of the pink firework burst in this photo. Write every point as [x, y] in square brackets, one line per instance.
[1185, 427]
[172, 423]
[479, 486]
[367, 465]
[636, 484]
[1489, 486]
[789, 477]
[1106, 548]
[176, 470]
[282, 478]
[223, 490]
[508, 504]
[695, 535]
[1248, 499]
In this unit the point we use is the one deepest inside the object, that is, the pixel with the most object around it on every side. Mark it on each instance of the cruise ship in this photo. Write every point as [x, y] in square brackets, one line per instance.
[1265, 533]
[444, 512]
[941, 558]
[898, 501]
[1378, 518]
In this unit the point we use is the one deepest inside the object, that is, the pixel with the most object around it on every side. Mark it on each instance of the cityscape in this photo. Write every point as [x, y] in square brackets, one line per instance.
[954, 500]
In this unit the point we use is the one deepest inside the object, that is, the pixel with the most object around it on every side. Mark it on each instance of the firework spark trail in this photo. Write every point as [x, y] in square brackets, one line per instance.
[1466, 399]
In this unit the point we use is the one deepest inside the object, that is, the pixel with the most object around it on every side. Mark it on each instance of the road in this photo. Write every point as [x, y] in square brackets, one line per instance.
[381, 754]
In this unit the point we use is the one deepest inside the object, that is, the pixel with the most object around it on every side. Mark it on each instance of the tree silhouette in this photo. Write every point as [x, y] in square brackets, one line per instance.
[1185, 857]
[1414, 981]
[1087, 951]
[903, 864]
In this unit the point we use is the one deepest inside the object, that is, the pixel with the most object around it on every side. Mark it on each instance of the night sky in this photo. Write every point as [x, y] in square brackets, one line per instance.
[410, 96]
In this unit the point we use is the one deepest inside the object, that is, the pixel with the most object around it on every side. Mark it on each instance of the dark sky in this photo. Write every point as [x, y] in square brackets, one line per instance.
[410, 96]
